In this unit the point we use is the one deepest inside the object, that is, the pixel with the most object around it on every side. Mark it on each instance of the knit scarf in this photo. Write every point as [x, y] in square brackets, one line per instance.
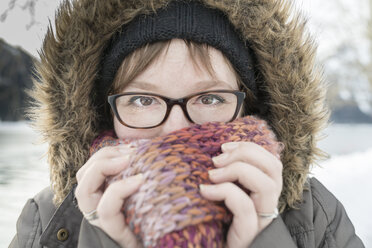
[168, 210]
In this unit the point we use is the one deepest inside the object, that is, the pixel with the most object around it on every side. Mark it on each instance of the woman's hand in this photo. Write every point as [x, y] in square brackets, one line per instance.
[260, 175]
[89, 192]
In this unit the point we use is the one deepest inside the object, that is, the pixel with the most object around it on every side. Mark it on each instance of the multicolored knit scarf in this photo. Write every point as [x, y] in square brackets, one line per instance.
[168, 210]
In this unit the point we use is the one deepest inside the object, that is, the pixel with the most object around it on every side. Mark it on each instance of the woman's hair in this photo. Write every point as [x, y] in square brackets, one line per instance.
[137, 62]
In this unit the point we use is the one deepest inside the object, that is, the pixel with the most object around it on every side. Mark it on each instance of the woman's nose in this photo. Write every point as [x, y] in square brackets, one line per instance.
[176, 120]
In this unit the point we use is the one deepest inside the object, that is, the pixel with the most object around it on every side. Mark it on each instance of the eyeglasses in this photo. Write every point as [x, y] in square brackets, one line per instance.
[147, 110]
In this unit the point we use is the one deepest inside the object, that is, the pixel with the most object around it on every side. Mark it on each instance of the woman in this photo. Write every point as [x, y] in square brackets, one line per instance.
[185, 50]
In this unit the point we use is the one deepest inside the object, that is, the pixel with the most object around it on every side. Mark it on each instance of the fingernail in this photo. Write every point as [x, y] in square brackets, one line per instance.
[204, 187]
[124, 157]
[216, 172]
[229, 146]
[137, 178]
[220, 158]
[126, 149]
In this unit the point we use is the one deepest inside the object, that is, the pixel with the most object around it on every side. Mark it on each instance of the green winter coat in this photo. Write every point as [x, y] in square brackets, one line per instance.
[319, 222]
[291, 88]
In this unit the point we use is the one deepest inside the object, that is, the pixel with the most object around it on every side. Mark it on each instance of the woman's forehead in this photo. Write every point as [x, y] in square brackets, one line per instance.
[176, 64]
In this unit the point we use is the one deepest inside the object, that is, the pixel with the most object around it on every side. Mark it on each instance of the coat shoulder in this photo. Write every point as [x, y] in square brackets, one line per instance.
[320, 220]
[333, 218]
[46, 207]
[324, 202]
[33, 220]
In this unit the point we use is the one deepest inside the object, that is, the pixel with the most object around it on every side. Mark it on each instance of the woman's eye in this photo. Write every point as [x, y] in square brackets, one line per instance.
[211, 99]
[142, 100]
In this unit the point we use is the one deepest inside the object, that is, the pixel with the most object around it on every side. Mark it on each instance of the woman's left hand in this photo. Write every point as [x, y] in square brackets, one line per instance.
[260, 175]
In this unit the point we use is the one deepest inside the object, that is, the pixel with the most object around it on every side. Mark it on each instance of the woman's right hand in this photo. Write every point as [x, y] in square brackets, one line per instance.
[108, 161]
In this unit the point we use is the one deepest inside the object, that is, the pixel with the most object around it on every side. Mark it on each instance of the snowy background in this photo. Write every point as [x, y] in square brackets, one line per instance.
[340, 27]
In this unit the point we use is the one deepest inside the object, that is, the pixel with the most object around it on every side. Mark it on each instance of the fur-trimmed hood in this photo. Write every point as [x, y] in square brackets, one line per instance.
[67, 116]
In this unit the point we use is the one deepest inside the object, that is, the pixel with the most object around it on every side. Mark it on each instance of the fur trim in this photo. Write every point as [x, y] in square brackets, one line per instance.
[291, 84]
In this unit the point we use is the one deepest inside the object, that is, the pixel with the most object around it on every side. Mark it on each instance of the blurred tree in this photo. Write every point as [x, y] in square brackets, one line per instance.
[15, 78]
[28, 5]
[345, 52]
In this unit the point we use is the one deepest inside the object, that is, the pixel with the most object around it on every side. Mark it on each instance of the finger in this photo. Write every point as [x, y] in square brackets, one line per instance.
[234, 197]
[89, 189]
[250, 153]
[239, 203]
[96, 174]
[109, 208]
[247, 175]
[104, 153]
[265, 191]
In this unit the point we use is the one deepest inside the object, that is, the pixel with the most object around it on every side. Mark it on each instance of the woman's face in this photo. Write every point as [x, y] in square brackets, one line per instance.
[173, 74]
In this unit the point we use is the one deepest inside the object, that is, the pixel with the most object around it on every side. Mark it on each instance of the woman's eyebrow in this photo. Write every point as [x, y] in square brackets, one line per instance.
[201, 85]
[213, 83]
[143, 85]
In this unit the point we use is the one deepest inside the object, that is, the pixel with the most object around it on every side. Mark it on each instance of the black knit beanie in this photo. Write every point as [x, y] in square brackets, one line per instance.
[187, 20]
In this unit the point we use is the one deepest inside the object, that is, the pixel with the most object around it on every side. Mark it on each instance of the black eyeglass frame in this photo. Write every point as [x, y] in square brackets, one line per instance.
[182, 102]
